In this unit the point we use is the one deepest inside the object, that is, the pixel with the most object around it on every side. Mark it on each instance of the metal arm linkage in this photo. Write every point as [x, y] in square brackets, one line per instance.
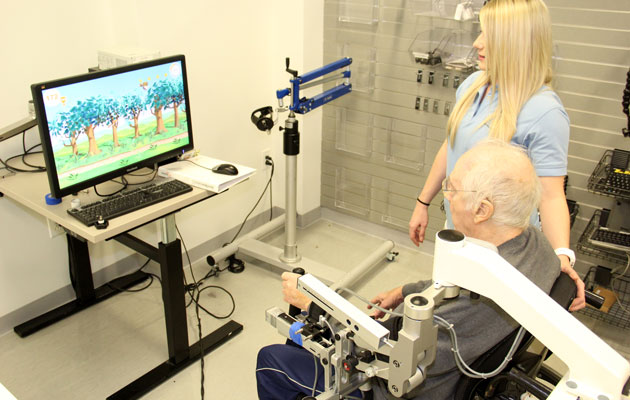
[304, 105]
[348, 354]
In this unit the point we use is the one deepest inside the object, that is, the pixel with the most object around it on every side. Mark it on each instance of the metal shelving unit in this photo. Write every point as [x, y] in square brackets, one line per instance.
[619, 313]
[601, 180]
[608, 179]
[586, 247]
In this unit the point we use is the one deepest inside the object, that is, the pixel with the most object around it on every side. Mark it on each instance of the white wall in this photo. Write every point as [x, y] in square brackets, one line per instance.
[235, 57]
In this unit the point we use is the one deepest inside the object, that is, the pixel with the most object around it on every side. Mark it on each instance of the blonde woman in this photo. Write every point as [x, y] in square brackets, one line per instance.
[510, 99]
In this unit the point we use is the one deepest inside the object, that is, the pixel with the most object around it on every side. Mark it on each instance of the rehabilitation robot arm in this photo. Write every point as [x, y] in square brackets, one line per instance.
[596, 371]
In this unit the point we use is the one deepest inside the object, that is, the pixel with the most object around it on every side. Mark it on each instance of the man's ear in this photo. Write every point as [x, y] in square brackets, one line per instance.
[483, 212]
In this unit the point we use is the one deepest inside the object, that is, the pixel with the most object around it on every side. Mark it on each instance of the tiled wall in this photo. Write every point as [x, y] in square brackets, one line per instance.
[378, 148]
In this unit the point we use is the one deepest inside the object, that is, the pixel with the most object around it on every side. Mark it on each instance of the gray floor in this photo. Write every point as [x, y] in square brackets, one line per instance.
[98, 351]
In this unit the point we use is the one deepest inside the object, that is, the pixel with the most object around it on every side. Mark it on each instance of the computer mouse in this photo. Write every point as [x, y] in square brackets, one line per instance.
[225, 169]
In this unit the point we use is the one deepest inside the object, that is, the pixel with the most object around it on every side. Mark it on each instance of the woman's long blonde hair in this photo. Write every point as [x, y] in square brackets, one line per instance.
[518, 63]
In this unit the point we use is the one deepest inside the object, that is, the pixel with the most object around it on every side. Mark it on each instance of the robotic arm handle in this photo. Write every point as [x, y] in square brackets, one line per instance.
[291, 71]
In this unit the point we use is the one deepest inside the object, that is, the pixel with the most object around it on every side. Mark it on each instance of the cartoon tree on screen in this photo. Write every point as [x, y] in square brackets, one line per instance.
[64, 127]
[159, 97]
[177, 98]
[134, 105]
[113, 111]
[87, 115]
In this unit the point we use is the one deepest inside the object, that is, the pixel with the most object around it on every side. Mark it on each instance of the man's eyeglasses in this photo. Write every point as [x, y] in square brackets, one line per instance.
[447, 186]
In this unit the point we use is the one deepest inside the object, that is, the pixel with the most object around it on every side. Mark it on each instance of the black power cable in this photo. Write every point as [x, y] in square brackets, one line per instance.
[268, 161]
[125, 183]
[194, 292]
[26, 152]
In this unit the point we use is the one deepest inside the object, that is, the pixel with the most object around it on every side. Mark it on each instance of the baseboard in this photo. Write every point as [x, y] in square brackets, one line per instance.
[304, 220]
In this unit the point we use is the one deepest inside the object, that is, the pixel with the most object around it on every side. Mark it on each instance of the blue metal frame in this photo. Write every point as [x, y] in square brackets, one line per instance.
[304, 105]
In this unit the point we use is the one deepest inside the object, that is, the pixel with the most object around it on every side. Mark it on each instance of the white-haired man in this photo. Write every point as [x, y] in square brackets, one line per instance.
[492, 192]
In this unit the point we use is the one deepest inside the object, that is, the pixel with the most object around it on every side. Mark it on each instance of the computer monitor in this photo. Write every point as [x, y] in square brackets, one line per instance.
[102, 125]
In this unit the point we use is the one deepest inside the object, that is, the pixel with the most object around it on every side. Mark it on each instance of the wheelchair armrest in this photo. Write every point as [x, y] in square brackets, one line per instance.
[531, 385]
[549, 375]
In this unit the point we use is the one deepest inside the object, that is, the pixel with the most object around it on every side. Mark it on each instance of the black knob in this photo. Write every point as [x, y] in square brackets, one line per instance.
[350, 363]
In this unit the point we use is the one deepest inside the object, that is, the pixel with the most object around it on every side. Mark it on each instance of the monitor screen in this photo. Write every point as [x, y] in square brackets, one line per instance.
[102, 125]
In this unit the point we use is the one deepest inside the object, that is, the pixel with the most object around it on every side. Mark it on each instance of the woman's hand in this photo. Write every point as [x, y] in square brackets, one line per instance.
[580, 301]
[418, 223]
[387, 300]
[432, 186]
[291, 294]
[555, 220]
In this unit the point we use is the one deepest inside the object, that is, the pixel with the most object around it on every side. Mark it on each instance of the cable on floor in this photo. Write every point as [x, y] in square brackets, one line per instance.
[194, 291]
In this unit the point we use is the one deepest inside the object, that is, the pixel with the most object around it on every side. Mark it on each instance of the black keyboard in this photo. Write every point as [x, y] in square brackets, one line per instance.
[128, 201]
[615, 240]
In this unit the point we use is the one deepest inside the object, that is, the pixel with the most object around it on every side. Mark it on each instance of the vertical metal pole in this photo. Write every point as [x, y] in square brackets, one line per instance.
[290, 222]
[169, 230]
[291, 150]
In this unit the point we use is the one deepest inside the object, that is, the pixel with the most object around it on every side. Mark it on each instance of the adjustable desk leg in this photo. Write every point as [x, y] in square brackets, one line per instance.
[173, 295]
[80, 269]
[87, 295]
[180, 354]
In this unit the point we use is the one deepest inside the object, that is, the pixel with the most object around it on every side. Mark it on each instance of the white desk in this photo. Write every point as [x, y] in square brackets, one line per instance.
[30, 190]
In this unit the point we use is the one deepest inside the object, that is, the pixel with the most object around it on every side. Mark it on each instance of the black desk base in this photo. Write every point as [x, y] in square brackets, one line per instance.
[167, 369]
[87, 295]
[169, 256]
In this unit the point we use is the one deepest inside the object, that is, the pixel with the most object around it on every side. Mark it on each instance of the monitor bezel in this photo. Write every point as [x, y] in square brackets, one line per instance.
[44, 132]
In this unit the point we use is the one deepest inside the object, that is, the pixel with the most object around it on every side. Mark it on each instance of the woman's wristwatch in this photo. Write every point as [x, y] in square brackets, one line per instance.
[563, 251]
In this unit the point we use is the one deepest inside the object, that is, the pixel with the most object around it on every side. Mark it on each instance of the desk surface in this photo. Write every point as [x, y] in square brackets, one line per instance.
[30, 189]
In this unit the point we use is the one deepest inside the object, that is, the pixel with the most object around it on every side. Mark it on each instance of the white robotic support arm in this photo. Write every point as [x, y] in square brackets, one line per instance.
[596, 371]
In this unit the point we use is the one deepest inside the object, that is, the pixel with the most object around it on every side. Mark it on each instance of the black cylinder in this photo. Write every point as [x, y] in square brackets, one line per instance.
[593, 299]
[291, 137]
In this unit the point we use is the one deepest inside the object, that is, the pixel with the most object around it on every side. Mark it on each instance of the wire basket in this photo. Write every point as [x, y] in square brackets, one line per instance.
[586, 247]
[619, 313]
[601, 180]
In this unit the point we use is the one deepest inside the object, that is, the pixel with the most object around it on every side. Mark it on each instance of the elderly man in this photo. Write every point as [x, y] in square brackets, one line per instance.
[492, 192]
